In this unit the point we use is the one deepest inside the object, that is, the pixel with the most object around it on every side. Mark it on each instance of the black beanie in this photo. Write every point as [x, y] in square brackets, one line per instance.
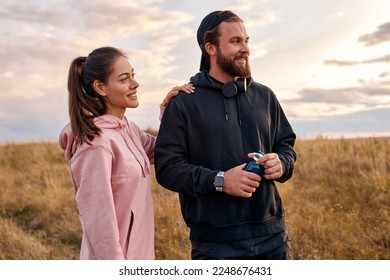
[207, 24]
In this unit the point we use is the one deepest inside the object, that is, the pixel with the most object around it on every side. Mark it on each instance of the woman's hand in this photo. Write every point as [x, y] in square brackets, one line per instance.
[187, 88]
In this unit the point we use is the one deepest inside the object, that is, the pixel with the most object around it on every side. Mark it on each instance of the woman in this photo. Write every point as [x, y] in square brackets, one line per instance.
[110, 157]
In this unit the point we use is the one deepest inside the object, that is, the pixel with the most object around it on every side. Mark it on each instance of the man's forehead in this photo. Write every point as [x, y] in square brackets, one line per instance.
[232, 29]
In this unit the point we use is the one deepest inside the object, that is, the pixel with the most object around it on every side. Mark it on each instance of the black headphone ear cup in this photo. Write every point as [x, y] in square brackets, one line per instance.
[229, 89]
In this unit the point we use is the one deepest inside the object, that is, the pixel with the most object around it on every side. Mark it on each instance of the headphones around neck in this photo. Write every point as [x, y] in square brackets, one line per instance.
[232, 88]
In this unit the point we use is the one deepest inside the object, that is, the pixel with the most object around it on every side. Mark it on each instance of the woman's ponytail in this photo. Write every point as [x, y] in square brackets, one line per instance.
[82, 103]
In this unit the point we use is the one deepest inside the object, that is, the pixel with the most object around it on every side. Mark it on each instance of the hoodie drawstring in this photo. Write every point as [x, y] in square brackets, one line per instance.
[226, 110]
[238, 110]
[139, 152]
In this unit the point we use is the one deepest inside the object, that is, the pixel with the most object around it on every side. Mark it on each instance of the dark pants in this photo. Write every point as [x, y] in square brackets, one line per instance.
[271, 247]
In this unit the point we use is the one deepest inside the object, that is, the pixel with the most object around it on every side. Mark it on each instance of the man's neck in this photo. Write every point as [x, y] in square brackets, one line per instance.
[221, 76]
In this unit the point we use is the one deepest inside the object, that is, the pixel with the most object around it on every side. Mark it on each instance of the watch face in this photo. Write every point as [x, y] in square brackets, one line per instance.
[219, 181]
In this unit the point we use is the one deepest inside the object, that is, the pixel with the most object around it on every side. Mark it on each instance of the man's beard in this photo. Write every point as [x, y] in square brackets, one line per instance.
[228, 66]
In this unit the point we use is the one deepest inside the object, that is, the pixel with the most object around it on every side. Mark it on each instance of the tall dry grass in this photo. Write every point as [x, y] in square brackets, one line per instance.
[38, 217]
[337, 203]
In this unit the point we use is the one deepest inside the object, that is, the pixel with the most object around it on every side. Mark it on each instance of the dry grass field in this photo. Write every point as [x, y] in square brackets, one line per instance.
[337, 203]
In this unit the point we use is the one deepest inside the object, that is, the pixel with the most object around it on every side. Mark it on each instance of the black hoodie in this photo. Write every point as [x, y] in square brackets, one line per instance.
[206, 132]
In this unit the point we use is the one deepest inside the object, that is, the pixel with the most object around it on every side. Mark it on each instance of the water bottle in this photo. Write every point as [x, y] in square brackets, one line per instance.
[251, 166]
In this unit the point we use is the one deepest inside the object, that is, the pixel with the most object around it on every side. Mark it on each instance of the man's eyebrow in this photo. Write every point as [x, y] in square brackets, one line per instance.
[239, 38]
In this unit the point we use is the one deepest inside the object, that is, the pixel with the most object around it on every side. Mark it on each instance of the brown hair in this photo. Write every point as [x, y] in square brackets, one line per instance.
[84, 103]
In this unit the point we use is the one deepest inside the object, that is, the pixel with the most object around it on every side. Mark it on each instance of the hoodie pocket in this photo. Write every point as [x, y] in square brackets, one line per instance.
[224, 211]
[129, 231]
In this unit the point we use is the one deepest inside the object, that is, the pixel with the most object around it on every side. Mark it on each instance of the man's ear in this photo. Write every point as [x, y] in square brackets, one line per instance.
[210, 49]
[99, 87]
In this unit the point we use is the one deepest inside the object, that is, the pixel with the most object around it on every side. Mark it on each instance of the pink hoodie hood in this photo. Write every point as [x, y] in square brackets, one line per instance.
[67, 139]
[67, 142]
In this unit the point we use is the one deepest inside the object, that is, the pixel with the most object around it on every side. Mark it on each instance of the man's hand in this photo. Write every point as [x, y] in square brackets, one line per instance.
[239, 182]
[273, 168]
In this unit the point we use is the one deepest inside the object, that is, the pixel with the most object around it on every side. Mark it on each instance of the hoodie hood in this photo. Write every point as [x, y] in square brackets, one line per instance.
[202, 79]
[110, 122]
[67, 138]
[227, 90]
[67, 142]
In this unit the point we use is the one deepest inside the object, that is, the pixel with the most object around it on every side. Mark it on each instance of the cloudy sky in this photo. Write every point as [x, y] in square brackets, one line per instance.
[327, 61]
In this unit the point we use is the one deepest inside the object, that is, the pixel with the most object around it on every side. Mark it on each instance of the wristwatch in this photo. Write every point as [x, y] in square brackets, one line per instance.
[219, 180]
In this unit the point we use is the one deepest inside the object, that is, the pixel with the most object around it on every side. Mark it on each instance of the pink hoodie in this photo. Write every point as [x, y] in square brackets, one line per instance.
[111, 179]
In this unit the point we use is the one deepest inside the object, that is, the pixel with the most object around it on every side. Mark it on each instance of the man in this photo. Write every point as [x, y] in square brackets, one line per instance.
[205, 139]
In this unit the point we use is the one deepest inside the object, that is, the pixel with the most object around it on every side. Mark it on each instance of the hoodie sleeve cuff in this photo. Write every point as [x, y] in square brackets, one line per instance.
[209, 182]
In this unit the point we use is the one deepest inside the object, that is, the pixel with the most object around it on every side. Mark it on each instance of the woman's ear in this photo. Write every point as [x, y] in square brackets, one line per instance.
[99, 88]
[210, 49]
